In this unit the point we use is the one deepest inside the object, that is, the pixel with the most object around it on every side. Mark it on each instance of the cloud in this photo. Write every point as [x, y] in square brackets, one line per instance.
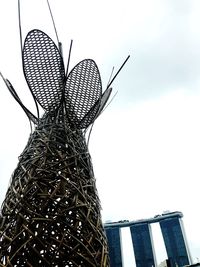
[164, 56]
[156, 150]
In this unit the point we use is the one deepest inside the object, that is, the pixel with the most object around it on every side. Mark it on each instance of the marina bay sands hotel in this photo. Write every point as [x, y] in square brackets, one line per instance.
[173, 234]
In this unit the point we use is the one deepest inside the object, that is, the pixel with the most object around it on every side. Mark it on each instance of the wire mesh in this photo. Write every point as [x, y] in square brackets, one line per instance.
[83, 90]
[43, 69]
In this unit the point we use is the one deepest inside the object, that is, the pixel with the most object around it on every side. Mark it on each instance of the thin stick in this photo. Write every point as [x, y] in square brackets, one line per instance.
[54, 25]
[70, 49]
[20, 26]
[111, 74]
[118, 72]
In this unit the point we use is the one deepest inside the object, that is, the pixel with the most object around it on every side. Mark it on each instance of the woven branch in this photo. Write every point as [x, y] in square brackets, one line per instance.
[51, 212]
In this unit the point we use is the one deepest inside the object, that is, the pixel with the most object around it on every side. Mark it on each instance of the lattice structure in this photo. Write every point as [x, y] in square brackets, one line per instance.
[43, 69]
[51, 212]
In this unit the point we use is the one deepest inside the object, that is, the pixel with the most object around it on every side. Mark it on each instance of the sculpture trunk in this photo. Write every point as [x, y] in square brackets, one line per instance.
[51, 212]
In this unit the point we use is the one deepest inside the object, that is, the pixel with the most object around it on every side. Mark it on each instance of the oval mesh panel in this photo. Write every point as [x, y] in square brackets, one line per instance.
[90, 116]
[83, 89]
[43, 69]
[95, 111]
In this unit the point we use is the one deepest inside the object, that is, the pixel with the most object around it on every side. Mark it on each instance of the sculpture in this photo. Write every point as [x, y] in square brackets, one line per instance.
[51, 212]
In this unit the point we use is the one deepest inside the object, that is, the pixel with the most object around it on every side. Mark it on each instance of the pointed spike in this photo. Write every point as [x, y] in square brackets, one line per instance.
[118, 71]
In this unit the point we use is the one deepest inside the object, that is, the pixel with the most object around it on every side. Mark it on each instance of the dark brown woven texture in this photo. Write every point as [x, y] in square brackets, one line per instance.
[51, 213]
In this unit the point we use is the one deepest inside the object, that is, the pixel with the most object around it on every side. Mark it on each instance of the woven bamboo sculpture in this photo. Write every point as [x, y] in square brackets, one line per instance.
[51, 212]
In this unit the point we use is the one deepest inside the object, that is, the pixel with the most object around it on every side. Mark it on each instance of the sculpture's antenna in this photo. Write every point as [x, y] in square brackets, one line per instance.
[118, 72]
[54, 25]
[70, 49]
[20, 26]
[111, 74]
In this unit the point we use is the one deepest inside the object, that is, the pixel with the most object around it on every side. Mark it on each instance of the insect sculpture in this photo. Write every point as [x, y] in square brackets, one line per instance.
[51, 212]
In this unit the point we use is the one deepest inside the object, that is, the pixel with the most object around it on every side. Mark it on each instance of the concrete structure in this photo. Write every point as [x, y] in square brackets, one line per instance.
[173, 234]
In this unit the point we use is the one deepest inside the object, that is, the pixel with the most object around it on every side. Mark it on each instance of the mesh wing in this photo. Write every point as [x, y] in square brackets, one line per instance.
[83, 90]
[95, 111]
[43, 69]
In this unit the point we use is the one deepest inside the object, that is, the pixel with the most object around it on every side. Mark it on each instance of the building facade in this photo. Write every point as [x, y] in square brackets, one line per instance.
[143, 245]
[173, 233]
[175, 241]
[114, 244]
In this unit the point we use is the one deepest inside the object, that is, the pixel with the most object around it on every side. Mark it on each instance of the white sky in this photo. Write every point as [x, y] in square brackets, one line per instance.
[146, 146]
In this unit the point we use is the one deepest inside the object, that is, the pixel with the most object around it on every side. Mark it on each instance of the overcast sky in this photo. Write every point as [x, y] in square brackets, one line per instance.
[146, 146]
